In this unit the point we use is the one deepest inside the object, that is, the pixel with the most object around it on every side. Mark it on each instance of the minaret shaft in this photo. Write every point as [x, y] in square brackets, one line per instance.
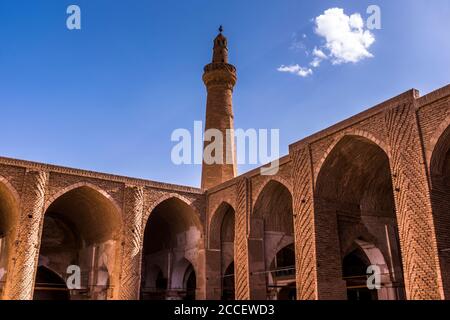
[219, 78]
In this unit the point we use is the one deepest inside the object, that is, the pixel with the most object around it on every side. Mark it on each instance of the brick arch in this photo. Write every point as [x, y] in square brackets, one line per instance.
[276, 202]
[59, 274]
[349, 133]
[178, 214]
[110, 208]
[96, 219]
[359, 232]
[43, 271]
[373, 255]
[215, 225]
[166, 197]
[284, 242]
[353, 197]
[441, 134]
[284, 182]
[9, 223]
[440, 197]
[179, 272]
[79, 185]
[11, 189]
[12, 204]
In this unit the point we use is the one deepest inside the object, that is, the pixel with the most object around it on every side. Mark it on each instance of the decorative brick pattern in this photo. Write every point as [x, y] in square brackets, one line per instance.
[219, 78]
[133, 233]
[305, 256]
[21, 283]
[242, 277]
[406, 127]
[412, 201]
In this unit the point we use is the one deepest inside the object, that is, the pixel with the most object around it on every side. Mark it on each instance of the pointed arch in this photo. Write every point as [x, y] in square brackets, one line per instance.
[271, 224]
[80, 185]
[50, 285]
[9, 221]
[11, 189]
[274, 205]
[349, 133]
[439, 135]
[179, 273]
[82, 226]
[9, 206]
[168, 196]
[440, 148]
[270, 179]
[439, 171]
[354, 196]
[173, 232]
[96, 213]
[217, 220]
[353, 152]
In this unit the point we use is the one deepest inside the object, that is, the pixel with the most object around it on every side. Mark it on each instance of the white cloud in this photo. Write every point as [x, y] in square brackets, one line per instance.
[297, 70]
[345, 36]
[315, 63]
[346, 40]
[319, 56]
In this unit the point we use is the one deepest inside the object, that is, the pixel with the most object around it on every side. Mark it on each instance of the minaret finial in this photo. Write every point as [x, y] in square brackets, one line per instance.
[220, 29]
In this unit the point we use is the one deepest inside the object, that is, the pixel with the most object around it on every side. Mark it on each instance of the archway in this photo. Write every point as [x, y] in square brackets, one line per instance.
[81, 228]
[221, 235]
[190, 283]
[156, 283]
[354, 267]
[440, 200]
[271, 230]
[171, 241]
[9, 213]
[228, 286]
[282, 274]
[49, 286]
[354, 201]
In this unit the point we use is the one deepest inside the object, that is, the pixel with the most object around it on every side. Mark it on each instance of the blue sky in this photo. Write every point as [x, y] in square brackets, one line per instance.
[107, 97]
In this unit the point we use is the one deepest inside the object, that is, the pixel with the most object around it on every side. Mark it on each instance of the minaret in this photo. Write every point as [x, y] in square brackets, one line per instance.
[219, 78]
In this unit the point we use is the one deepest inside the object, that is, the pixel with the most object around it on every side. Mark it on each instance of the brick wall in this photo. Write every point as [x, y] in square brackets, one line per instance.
[410, 130]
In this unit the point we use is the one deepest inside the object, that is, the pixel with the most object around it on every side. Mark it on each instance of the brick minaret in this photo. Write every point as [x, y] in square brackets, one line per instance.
[220, 78]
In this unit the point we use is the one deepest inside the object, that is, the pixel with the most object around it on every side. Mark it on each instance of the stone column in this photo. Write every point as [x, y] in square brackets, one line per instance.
[241, 252]
[413, 205]
[132, 242]
[26, 252]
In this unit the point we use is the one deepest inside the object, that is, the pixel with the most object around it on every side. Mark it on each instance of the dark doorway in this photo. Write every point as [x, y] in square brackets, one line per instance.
[191, 284]
[355, 274]
[283, 274]
[228, 283]
[49, 286]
